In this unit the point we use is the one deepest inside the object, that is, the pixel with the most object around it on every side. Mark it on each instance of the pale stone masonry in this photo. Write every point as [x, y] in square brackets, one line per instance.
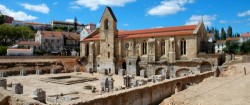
[145, 52]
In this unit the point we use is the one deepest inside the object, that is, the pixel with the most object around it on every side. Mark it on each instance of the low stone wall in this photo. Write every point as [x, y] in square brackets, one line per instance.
[148, 94]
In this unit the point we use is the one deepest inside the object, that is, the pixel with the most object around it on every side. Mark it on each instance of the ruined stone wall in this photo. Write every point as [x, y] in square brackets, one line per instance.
[214, 59]
[146, 95]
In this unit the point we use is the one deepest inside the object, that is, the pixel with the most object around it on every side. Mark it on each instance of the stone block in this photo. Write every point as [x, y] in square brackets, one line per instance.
[142, 82]
[107, 83]
[69, 98]
[134, 83]
[17, 88]
[158, 78]
[3, 83]
[23, 73]
[41, 95]
[121, 72]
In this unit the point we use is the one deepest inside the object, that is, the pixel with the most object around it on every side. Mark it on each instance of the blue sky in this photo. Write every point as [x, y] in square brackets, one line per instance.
[135, 14]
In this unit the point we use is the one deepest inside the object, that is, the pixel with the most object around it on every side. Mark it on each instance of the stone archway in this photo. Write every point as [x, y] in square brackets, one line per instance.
[205, 66]
[160, 71]
[124, 65]
[182, 72]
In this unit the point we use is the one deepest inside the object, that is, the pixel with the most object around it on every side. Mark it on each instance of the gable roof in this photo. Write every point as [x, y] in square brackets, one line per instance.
[111, 12]
[156, 32]
[233, 39]
[58, 34]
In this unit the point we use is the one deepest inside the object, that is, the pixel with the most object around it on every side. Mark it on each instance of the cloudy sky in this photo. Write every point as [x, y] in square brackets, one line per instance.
[135, 14]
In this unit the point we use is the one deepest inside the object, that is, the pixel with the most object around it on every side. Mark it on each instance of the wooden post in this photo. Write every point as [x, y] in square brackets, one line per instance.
[245, 71]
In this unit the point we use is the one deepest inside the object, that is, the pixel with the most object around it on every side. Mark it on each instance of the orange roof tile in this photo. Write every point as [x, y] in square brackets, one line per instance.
[233, 39]
[220, 41]
[156, 32]
[28, 43]
[245, 35]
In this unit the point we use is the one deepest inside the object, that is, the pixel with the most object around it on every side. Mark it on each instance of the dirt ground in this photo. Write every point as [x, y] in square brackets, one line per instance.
[231, 89]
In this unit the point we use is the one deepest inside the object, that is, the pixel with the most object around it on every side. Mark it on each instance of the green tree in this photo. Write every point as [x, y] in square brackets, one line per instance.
[75, 23]
[223, 34]
[3, 50]
[229, 31]
[2, 19]
[232, 47]
[245, 47]
[217, 34]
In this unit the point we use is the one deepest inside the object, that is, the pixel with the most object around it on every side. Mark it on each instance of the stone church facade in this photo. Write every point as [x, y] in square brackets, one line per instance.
[171, 51]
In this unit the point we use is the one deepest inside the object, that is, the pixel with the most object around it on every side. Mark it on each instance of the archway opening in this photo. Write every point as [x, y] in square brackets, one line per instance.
[124, 66]
[206, 66]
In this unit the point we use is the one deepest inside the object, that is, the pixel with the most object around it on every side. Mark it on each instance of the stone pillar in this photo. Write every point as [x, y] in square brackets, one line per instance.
[39, 72]
[110, 83]
[52, 71]
[17, 88]
[41, 95]
[3, 83]
[143, 73]
[127, 80]
[3, 74]
[121, 72]
[134, 83]
[23, 73]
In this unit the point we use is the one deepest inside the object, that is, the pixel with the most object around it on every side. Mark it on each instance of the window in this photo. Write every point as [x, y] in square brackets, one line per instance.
[183, 47]
[162, 47]
[106, 24]
[144, 48]
[52, 41]
[108, 54]
[58, 41]
[87, 49]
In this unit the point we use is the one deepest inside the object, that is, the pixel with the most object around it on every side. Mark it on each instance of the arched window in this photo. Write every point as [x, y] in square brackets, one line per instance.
[162, 47]
[183, 47]
[87, 49]
[144, 48]
[106, 24]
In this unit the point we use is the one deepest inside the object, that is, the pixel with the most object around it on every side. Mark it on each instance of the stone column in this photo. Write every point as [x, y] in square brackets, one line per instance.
[110, 83]
[3, 74]
[41, 95]
[3, 83]
[17, 88]
[52, 71]
[39, 72]
[23, 72]
[143, 73]
[121, 72]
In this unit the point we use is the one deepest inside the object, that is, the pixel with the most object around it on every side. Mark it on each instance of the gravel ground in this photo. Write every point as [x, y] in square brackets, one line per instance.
[231, 89]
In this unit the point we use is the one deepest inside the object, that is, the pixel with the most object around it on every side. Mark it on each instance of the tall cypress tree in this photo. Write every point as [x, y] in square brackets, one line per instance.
[75, 23]
[229, 31]
[223, 34]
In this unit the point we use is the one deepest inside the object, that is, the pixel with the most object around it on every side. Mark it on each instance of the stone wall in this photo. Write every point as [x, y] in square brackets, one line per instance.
[148, 94]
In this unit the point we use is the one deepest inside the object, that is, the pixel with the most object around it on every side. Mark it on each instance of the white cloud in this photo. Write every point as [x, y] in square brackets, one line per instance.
[126, 24]
[69, 20]
[207, 19]
[75, 7]
[157, 27]
[94, 4]
[55, 3]
[223, 21]
[248, 19]
[17, 15]
[169, 7]
[246, 13]
[42, 8]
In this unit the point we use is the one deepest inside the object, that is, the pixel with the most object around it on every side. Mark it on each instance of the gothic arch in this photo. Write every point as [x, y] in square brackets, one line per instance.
[106, 24]
[159, 71]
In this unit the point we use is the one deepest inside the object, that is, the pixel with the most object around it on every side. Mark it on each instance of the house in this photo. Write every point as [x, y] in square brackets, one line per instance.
[55, 41]
[29, 44]
[233, 39]
[219, 45]
[19, 52]
[244, 37]
[211, 37]
[160, 51]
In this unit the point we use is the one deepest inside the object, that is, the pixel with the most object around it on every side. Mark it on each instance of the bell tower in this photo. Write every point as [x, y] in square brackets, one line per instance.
[108, 33]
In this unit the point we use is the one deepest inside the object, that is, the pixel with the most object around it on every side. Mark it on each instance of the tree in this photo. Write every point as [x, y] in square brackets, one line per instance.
[223, 34]
[2, 19]
[229, 31]
[217, 34]
[75, 23]
[245, 47]
[232, 47]
[3, 50]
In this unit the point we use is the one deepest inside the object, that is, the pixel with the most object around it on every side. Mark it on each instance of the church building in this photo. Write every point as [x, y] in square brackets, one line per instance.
[172, 50]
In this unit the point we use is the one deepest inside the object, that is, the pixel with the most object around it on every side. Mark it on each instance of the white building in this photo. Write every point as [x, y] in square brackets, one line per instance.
[219, 45]
[211, 37]
[19, 52]
[244, 37]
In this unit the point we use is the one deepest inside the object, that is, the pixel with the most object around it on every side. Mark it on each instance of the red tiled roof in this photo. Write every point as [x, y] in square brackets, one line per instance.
[28, 43]
[233, 39]
[59, 34]
[156, 32]
[18, 49]
[245, 35]
[220, 41]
